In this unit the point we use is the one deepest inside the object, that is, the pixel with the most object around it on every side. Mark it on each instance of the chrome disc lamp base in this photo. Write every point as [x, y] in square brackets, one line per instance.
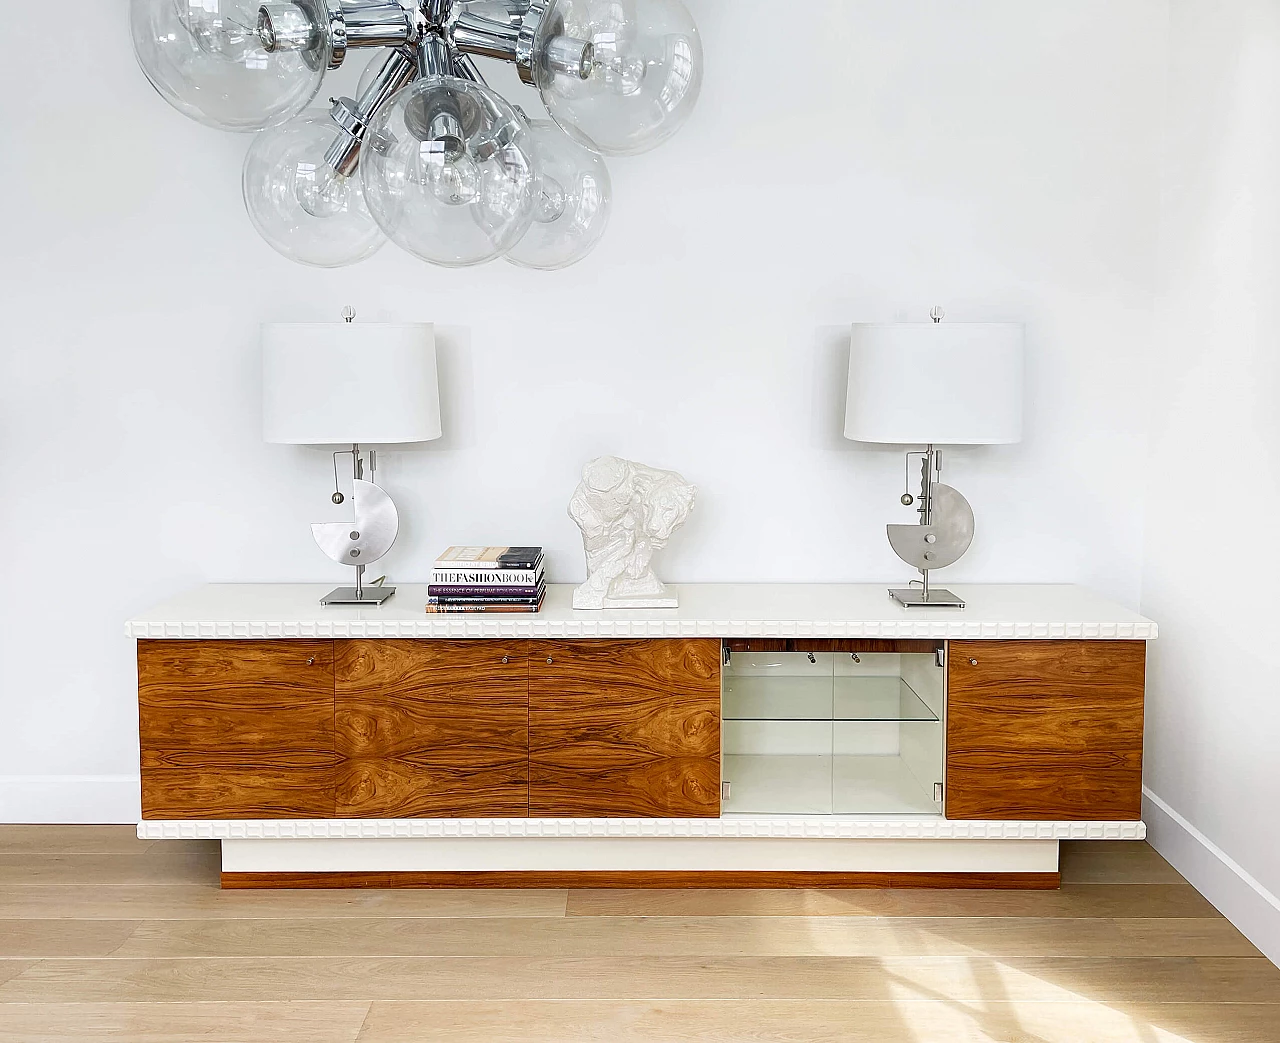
[358, 595]
[925, 596]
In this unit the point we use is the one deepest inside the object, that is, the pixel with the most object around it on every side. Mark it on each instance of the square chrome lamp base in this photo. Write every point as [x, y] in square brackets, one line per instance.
[918, 597]
[370, 596]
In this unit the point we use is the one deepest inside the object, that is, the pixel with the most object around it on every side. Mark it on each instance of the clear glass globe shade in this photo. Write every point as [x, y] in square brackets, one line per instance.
[205, 59]
[447, 172]
[299, 205]
[645, 71]
[572, 201]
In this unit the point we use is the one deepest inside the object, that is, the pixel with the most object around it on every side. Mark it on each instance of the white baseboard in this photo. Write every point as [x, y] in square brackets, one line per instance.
[70, 799]
[1253, 909]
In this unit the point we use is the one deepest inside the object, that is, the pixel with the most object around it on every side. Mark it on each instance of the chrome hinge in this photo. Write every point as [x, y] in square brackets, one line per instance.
[725, 654]
[937, 792]
[724, 791]
[940, 657]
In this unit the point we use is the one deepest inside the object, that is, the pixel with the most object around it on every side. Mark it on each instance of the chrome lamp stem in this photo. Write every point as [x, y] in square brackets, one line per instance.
[931, 517]
[359, 594]
[926, 503]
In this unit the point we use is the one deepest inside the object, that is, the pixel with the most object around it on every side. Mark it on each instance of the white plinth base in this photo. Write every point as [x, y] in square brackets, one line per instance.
[628, 854]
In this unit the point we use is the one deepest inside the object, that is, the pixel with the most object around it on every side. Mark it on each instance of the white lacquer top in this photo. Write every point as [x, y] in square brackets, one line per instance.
[714, 610]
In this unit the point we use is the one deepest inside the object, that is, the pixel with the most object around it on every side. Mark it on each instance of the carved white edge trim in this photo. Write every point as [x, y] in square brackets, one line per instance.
[959, 630]
[785, 827]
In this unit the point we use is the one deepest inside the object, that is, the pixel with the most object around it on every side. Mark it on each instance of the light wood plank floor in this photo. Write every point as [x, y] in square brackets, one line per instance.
[105, 937]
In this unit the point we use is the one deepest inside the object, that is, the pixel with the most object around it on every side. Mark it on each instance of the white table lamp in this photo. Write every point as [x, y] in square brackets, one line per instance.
[934, 384]
[352, 384]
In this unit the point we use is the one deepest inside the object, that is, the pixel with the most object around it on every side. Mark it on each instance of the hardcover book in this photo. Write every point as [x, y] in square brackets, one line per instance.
[483, 601]
[449, 591]
[490, 558]
[491, 579]
[505, 607]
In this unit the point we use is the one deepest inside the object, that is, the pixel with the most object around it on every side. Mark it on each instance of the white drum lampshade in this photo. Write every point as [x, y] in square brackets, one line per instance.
[936, 383]
[344, 383]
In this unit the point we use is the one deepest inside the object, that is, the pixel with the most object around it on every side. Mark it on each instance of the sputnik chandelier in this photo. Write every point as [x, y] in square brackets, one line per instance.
[427, 155]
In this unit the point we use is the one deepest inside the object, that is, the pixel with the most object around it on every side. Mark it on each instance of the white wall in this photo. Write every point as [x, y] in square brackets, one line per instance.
[1213, 707]
[996, 157]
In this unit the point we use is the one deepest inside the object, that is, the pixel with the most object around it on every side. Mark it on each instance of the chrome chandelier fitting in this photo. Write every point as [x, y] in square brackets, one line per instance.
[427, 155]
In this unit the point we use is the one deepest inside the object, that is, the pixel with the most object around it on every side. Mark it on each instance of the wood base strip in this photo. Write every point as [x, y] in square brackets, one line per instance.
[708, 879]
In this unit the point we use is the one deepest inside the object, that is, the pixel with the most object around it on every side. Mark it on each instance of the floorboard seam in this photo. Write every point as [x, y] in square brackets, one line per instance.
[364, 1022]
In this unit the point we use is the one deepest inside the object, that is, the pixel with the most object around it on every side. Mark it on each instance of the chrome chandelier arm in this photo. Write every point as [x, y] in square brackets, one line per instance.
[466, 68]
[509, 11]
[497, 10]
[434, 56]
[505, 31]
[291, 25]
[473, 33]
[511, 33]
[380, 23]
[353, 117]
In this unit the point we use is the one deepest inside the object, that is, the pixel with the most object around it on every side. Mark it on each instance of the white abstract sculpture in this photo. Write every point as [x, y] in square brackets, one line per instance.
[626, 511]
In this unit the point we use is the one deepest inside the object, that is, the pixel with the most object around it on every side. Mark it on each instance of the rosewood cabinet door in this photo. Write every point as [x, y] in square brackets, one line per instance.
[624, 729]
[236, 729]
[1045, 729]
[432, 729]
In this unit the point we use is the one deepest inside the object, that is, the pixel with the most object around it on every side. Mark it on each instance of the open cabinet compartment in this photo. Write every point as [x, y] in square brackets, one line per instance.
[833, 733]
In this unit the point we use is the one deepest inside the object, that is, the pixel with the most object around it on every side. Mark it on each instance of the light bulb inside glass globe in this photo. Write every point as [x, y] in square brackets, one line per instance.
[447, 174]
[299, 204]
[553, 200]
[573, 198]
[208, 59]
[621, 76]
[453, 179]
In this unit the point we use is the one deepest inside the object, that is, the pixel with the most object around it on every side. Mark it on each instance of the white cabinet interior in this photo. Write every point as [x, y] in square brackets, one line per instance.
[833, 733]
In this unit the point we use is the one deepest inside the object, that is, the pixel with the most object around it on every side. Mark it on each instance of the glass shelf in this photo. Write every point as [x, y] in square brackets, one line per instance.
[822, 698]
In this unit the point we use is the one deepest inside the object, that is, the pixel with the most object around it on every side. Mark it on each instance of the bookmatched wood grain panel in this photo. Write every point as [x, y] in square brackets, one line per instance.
[219, 790]
[250, 696]
[624, 729]
[432, 729]
[236, 729]
[644, 880]
[1045, 729]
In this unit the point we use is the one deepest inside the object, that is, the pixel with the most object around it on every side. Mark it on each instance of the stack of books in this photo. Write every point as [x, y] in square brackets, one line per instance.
[487, 579]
